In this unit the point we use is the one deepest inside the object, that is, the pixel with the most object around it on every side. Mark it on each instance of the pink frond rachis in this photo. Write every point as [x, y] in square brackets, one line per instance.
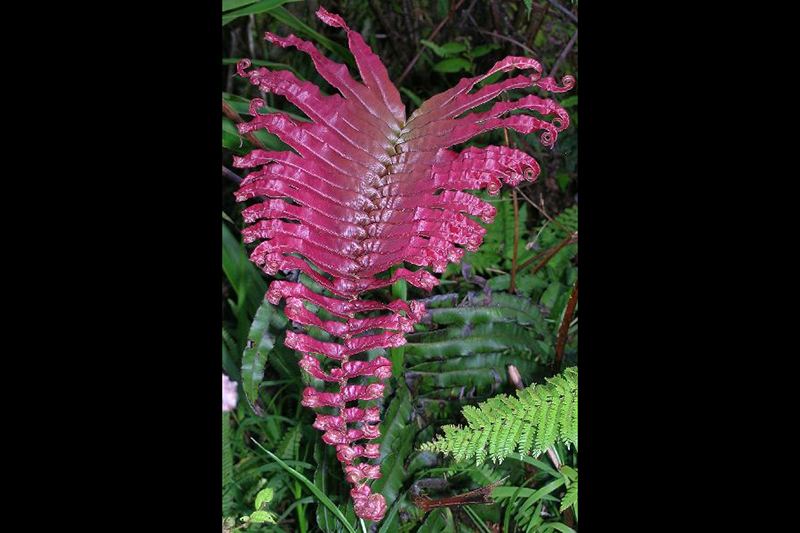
[371, 188]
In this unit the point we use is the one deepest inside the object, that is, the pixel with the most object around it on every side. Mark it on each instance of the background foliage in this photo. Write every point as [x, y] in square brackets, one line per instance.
[476, 327]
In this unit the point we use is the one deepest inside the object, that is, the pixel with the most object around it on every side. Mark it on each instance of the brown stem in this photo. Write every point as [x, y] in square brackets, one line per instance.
[234, 116]
[509, 39]
[538, 26]
[431, 37]
[563, 54]
[512, 286]
[496, 16]
[548, 254]
[528, 262]
[565, 11]
[481, 496]
[542, 210]
[564, 329]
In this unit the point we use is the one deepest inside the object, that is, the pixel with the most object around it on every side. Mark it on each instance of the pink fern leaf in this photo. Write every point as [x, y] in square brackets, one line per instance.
[367, 189]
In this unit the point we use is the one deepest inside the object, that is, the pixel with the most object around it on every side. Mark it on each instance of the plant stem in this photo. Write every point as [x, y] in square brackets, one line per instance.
[301, 515]
[532, 37]
[564, 329]
[541, 210]
[512, 287]
[509, 39]
[234, 116]
[548, 255]
[481, 496]
[230, 175]
[551, 452]
[399, 291]
[563, 55]
[564, 10]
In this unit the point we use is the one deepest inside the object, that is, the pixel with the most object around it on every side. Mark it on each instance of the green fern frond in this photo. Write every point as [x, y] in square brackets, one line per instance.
[571, 497]
[552, 234]
[289, 446]
[228, 339]
[539, 416]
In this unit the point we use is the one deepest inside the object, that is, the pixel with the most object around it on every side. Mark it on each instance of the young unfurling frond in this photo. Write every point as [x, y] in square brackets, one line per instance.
[367, 189]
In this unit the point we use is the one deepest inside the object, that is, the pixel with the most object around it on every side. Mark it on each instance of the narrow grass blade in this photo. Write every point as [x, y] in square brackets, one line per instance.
[476, 519]
[314, 490]
[559, 526]
[392, 513]
[510, 506]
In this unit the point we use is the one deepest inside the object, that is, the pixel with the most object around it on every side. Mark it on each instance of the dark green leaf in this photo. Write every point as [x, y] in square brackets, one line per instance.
[455, 64]
[484, 49]
[251, 9]
[569, 102]
[453, 48]
[397, 442]
[259, 344]
[227, 5]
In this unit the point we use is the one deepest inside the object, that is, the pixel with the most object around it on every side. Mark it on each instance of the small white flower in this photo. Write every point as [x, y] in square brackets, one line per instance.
[229, 394]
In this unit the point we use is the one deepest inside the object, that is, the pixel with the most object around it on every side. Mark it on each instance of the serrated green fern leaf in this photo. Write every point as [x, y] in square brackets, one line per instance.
[289, 445]
[539, 416]
[570, 497]
[552, 234]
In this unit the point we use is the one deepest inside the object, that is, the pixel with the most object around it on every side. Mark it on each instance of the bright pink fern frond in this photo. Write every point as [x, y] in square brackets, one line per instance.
[366, 190]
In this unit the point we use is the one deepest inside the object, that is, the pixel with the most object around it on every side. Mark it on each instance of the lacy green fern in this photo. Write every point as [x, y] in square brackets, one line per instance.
[539, 416]
[571, 497]
[551, 234]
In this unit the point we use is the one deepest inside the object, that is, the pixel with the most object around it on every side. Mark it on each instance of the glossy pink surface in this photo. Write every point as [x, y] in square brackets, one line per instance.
[367, 189]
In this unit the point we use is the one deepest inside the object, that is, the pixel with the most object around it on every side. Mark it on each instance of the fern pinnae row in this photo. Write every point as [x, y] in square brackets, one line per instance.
[480, 453]
[494, 440]
[473, 445]
[541, 418]
[526, 434]
[458, 445]
[513, 434]
[551, 426]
